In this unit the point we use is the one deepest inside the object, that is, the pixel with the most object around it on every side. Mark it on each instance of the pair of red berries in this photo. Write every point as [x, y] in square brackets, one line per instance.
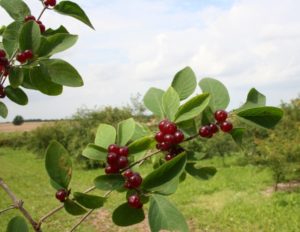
[134, 201]
[116, 159]
[62, 195]
[133, 180]
[41, 25]
[23, 57]
[4, 63]
[50, 3]
[208, 131]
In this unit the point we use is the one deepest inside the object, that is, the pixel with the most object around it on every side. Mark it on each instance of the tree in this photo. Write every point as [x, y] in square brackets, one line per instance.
[18, 120]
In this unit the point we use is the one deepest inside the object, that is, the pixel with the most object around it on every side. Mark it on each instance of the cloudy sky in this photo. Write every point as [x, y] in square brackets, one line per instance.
[142, 43]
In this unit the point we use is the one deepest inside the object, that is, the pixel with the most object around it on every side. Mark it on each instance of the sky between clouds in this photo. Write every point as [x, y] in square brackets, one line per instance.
[143, 43]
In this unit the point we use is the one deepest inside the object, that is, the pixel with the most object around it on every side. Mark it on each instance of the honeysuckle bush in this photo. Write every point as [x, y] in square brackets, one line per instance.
[187, 113]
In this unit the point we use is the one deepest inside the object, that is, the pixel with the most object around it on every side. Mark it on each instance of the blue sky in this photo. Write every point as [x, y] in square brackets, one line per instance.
[141, 43]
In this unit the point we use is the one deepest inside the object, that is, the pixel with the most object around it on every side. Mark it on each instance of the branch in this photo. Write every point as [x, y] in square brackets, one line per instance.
[19, 205]
[9, 208]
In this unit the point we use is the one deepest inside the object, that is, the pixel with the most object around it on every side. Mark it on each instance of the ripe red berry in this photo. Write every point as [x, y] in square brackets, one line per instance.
[123, 151]
[159, 137]
[113, 148]
[28, 54]
[112, 158]
[109, 169]
[226, 126]
[135, 180]
[2, 53]
[221, 115]
[168, 157]
[29, 17]
[134, 201]
[122, 162]
[2, 92]
[169, 128]
[62, 195]
[128, 173]
[162, 124]
[21, 58]
[179, 136]
[42, 28]
[169, 138]
[127, 185]
[214, 128]
[4, 61]
[50, 2]
[205, 131]
[164, 146]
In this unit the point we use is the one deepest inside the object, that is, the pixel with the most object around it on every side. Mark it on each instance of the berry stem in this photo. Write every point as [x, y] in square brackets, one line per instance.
[7, 209]
[41, 14]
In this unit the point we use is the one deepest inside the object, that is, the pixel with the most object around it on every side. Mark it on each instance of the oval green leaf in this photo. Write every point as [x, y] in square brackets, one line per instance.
[109, 182]
[124, 215]
[105, 136]
[170, 103]
[30, 36]
[73, 208]
[89, 201]
[3, 110]
[16, 76]
[17, 224]
[237, 135]
[11, 38]
[95, 152]
[153, 101]
[141, 144]
[58, 164]
[125, 131]
[17, 9]
[17, 95]
[254, 99]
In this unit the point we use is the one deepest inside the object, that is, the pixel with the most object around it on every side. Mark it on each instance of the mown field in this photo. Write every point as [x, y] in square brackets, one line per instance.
[26, 126]
[234, 200]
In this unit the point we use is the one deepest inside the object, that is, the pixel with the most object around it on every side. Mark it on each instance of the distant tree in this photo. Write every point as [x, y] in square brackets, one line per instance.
[18, 120]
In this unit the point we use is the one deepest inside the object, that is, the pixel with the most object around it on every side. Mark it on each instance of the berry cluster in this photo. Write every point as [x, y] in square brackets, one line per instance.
[62, 195]
[133, 180]
[168, 138]
[50, 3]
[41, 25]
[23, 57]
[208, 131]
[4, 63]
[116, 159]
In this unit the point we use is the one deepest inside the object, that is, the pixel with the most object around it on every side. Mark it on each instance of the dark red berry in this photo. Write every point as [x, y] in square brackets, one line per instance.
[164, 146]
[109, 169]
[159, 137]
[214, 128]
[62, 195]
[226, 126]
[179, 137]
[168, 157]
[128, 173]
[112, 158]
[113, 148]
[134, 201]
[127, 185]
[205, 131]
[2, 92]
[221, 115]
[169, 138]
[42, 28]
[162, 124]
[4, 61]
[50, 2]
[28, 54]
[122, 162]
[29, 17]
[2, 53]
[135, 180]
[123, 151]
[21, 58]
[169, 128]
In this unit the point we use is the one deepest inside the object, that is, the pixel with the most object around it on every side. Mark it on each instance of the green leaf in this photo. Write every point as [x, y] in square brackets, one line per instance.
[50, 31]
[17, 224]
[42, 82]
[27, 83]
[73, 208]
[17, 9]
[141, 144]
[61, 72]
[56, 43]
[185, 83]
[124, 215]
[169, 188]
[58, 164]
[3, 110]
[189, 127]
[170, 103]
[157, 179]
[163, 215]
[266, 117]
[140, 131]
[95, 152]
[105, 136]
[17, 95]
[55, 185]
[202, 173]
[254, 99]
[109, 182]
[11, 38]
[192, 108]
[16, 76]
[125, 131]
[219, 93]
[153, 101]
[237, 135]
[30, 36]
[207, 116]
[72, 9]
[2, 29]
[89, 201]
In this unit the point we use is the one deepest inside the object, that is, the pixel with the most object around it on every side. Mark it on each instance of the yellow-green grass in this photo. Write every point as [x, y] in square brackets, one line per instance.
[234, 200]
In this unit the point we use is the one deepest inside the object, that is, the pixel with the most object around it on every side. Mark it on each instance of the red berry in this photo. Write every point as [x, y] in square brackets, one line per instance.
[164, 146]
[62, 195]
[168, 157]
[221, 115]
[113, 148]
[134, 201]
[2, 92]
[128, 173]
[111, 169]
[127, 185]
[28, 54]
[29, 17]
[135, 180]
[112, 158]
[122, 162]
[159, 137]
[2, 53]
[123, 151]
[4, 61]
[21, 58]
[179, 137]
[162, 124]
[50, 2]
[214, 128]
[169, 138]
[42, 28]
[205, 131]
[226, 126]
[169, 128]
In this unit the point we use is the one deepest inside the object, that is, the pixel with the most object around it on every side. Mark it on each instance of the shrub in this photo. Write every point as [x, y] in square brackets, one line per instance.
[18, 120]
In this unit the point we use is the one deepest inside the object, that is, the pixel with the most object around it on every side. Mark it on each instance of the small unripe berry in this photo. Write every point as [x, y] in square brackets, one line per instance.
[221, 115]
[226, 126]
[62, 195]
[205, 132]
[134, 201]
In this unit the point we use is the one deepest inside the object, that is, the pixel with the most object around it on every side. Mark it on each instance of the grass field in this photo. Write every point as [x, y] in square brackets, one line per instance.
[234, 200]
[26, 126]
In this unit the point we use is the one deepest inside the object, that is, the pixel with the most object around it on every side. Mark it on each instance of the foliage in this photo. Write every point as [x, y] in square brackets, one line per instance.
[18, 120]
